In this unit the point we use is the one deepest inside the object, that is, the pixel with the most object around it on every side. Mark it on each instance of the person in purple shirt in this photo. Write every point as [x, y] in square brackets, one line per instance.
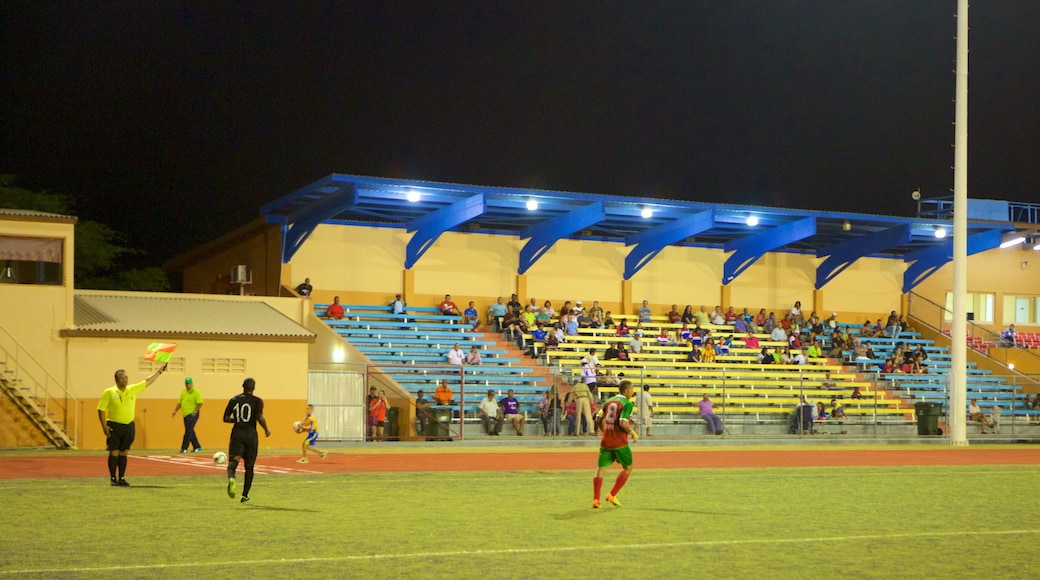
[712, 420]
[512, 410]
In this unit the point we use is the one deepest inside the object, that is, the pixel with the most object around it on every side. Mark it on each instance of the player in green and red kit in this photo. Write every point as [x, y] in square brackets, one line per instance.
[612, 420]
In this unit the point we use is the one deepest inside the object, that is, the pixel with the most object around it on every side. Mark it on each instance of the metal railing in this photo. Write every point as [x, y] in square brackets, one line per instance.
[32, 380]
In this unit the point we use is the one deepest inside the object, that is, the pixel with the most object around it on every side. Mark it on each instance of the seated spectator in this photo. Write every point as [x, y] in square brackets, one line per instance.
[695, 354]
[892, 327]
[511, 406]
[707, 412]
[473, 357]
[815, 350]
[828, 382]
[1010, 336]
[532, 305]
[443, 395]
[530, 317]
[832, 322]
[685, 334]
[557, 336]
[770, 323]
[335, 310]
[496, 312]
[448, 308]
[644, 312]
[724, 346]
[673, 315]
[539, 334]
[512, 323]
[687, 315]
[717, 317]
[797, 317]
[751, 341]
[856, 394]
[798, 357]
[662, 338]
[455, 356]
[595, 321]
[578, 308]
[976, 414]
[304, 288]
[542, 316]
[596, 309]
[584, 321]
[740, 327]
[514, 304]
[608, 381]
[611, 352]
[636, 344]
[591, 358]
[837, 409]
[760, 320]
[622, 353]
[570, 323]
[471, 316]
[397, 305]
[567, 308]
[765, 357]
[707, 354]
[638, 330]
[821, 411]
[622, 328]
[778, 334]
[701, 316]
[547, 308]
[608, 320]
[490, 414]
[731, 315]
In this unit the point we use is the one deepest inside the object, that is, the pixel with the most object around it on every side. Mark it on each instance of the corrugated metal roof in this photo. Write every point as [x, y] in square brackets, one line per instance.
[162, 315]
[31, 213]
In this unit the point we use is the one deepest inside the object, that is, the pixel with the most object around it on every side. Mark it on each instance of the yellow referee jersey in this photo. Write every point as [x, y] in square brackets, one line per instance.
[121, 405]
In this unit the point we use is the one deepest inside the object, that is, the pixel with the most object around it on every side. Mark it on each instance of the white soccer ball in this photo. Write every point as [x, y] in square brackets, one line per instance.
[297, 426]
[220, 458]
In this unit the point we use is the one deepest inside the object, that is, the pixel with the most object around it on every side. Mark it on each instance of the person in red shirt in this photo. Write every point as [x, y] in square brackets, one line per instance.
[335, 310]
[376, 415]
[448, 308]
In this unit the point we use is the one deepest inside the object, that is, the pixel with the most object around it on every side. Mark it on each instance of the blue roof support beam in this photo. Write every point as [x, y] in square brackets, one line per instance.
[544, 234]
[430, 226]
[335, 201]
[650, 242]
[749, 249]
[843, 255]
[928, 260]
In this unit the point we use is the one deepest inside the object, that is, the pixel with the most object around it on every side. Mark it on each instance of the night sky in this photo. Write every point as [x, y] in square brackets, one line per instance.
[175, 121]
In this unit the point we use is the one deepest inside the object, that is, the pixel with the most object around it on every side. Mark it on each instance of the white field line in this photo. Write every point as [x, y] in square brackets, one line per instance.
[207, 463]
[518, 551]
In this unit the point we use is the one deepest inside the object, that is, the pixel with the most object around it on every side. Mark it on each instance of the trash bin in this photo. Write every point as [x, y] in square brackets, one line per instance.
[928, 417]
[391, 427]
[438, 424]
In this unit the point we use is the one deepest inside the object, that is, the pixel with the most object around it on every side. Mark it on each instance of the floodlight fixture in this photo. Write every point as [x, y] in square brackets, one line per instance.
[752, 221]
[532, 204]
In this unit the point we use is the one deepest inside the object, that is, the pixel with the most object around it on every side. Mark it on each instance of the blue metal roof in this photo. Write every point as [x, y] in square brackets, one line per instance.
[431, 208]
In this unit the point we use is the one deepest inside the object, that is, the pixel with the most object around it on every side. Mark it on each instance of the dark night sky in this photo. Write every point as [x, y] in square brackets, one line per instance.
[175, 121]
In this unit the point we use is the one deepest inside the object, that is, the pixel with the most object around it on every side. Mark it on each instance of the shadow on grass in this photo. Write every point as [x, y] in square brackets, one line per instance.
[272, 508]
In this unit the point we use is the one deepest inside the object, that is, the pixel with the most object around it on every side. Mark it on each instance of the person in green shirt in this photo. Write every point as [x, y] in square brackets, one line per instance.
[116, 411]
[189, 405]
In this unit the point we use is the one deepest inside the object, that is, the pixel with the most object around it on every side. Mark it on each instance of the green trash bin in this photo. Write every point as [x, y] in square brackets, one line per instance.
[391, 427]
[928, 417]
[437, 426]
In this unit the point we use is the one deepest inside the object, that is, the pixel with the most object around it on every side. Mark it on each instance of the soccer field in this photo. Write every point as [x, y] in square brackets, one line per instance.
[891, 522]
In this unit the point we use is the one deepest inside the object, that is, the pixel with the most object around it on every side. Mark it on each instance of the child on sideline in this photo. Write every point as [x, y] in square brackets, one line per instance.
[310, 427]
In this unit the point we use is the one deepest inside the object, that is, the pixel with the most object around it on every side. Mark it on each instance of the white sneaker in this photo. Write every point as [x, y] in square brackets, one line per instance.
[302, 460]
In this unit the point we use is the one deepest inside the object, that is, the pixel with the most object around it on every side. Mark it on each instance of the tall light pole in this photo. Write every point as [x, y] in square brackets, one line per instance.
[958, 351]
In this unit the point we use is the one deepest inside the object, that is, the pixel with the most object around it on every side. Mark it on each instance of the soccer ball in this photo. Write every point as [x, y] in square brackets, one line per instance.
[297, 426]
[220, 458]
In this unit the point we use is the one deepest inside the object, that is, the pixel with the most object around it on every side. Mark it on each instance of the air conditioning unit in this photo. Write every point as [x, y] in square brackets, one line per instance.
[241, 275]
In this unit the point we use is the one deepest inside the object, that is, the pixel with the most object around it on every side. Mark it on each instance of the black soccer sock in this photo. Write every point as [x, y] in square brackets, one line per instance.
[122, 466]
[231, 467]
[113, 461]
[249, 480]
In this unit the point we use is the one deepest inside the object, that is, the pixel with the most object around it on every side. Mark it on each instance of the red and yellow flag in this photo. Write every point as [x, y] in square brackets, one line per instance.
[160, 351]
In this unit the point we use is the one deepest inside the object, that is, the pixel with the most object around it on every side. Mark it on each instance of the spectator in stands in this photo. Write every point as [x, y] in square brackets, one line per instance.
[595, 321]
[622, 328]
[717, 317]
[687, 315]
[511, 407]
[796, 315]
[608, 320]
[557, 337]
[422, 412]
[765, 357]
[707, 353]
[591, 358]
[570, 411]
[751, 341]
[570, 323]
[376, 416]
[448, 308]
[731, 315]
[821, 411]
[335, 310]
[711, 420]
[490, 414]
[471, 316]
[532, 305]
[798, 357]
[837, 409]
[976, 414]
[455, 356]
[760, 321]
[473, 357]
[397, 305]
[645, 410]
[539, 334]
[622, 352]
[514, 304]
[892, 326]
[304, 288]
[770, 323]
[701, 316]
[583, 402]
[673, 315]
[636, 343]
[495, 313]
[740, 326]
[584, 321]
[529, 317]
[856, 394]
[550, 409]
[611, 352]
[685, 334]
[724, 346]
[578, 308]
[778, 334]
[697, 333]
[443, 395]
[542, 317]
[1010, 336]
[596, 309]
[663, 339]
[547, 308]
[815, 350]
[644, 312]
[511, 323]
[832, 322]
[838, 342]
[567, 308]
[608, 381]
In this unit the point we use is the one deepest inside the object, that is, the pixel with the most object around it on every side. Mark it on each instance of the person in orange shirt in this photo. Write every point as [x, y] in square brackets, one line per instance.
[376, 416]
[442, 395]
[335, 310]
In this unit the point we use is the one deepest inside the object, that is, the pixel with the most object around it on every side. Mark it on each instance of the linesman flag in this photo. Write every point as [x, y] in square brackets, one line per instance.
[160, 351]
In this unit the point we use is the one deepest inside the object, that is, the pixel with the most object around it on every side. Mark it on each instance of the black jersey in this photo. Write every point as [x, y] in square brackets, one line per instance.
[245, 409]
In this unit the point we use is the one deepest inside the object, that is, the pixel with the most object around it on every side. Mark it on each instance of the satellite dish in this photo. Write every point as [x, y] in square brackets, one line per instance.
[916, 195]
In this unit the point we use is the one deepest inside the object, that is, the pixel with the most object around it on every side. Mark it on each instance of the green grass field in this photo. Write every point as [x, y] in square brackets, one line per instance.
[717, 523]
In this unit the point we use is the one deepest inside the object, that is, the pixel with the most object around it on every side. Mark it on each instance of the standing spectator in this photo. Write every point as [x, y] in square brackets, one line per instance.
[511, 408]
[116, 411]
[550, 409]
[471, 315]
[397, 305]
[310, 427]
[570, 410]
[796, 314]
[189, 404]
[892, 326]
[244, 411]
[304, 288]
[335, 310]
[646, 410]
[645, 312]
[713, 421]
[376, 415]
[591, 358]
[583, 407]
[455, 356]
[473, 358]
[447, 307]
[490, 414]
[422, 412]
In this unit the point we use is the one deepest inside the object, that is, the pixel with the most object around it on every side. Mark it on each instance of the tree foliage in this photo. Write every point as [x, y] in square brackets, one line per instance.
[100, 254]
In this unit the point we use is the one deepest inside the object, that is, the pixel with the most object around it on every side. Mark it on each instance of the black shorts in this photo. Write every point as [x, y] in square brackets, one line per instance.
[121, 436]
[244, 445]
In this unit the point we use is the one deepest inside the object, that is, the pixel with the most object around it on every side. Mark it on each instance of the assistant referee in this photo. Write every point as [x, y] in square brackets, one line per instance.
[116, 411]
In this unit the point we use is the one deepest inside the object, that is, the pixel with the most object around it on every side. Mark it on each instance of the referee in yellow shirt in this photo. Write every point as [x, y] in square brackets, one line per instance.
[116, 412]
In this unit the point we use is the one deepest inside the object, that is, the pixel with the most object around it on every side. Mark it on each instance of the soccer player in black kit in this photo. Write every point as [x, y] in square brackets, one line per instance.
[244, 411]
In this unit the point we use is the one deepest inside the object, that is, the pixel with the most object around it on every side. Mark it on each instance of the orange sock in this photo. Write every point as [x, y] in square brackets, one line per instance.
[597, 485]
[619, 483]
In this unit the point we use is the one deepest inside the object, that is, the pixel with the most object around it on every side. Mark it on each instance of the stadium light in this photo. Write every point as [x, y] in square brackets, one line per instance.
[940, 233]
[532, 204]
[752, 221]
[1012, 239]
[413, 196]
[647, 213]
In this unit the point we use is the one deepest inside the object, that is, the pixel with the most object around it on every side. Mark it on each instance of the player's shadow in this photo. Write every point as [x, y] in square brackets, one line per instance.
[574, 515]
[137, 486]
[273, 508]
